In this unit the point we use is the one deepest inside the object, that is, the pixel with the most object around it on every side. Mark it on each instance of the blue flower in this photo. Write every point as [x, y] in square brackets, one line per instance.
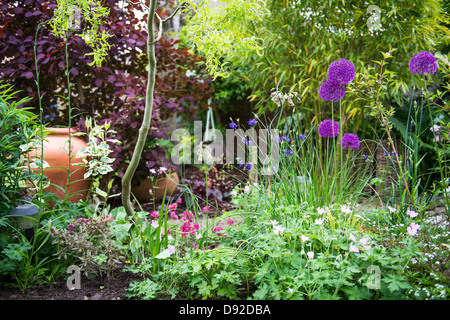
[251, 122]
[286, 138]
[289, 152]
[233, 125]
[248, 166]
[302, 136]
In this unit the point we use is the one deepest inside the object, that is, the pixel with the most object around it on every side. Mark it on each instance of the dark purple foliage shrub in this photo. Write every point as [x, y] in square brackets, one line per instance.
[114, 92]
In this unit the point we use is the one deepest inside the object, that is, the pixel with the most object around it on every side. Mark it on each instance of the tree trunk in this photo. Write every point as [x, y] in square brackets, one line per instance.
[143, 131]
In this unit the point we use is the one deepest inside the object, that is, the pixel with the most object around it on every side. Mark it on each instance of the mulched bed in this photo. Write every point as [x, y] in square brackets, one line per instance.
[100, 288]
[222, 179]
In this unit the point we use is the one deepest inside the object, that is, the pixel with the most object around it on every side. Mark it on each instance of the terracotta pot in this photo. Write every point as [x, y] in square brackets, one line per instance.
[55, 154]
[158, 187]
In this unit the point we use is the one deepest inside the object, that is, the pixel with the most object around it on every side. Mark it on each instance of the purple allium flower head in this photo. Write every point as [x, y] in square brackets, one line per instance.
[233, 125]
[423, 62]
[341, 72]
[350, 140]
[251, 122]
[329, 128]
[331, 91]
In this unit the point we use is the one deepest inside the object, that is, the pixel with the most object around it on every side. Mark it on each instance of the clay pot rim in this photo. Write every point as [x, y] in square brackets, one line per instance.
[59, 131]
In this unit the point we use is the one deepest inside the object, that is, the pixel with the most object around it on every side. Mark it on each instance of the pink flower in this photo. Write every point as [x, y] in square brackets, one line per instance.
[230, 221]
[411, 213]
[185, 229]
[217, 229]
[413, 228]
[172, 206]
[196, 226]
[171, 249]
[310, 254]
[80, 220]
[205, 209]
[353, 248]
[180, 200]
[392, 210]
[168, 230]
[70, 227]
[154, 214]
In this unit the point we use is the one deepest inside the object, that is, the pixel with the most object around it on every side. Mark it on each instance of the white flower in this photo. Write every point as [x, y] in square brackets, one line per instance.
[278, 229]
[153, 171]
[318, 221]
[155, 224]
[198, 235]
[234, 192]
[163, 169]
[304, 238]
[346, 209]
[291, 290]
[363, 241]
[274, 222]
[310, 254]
[247, 189]
[320, 210]
[352, 237]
